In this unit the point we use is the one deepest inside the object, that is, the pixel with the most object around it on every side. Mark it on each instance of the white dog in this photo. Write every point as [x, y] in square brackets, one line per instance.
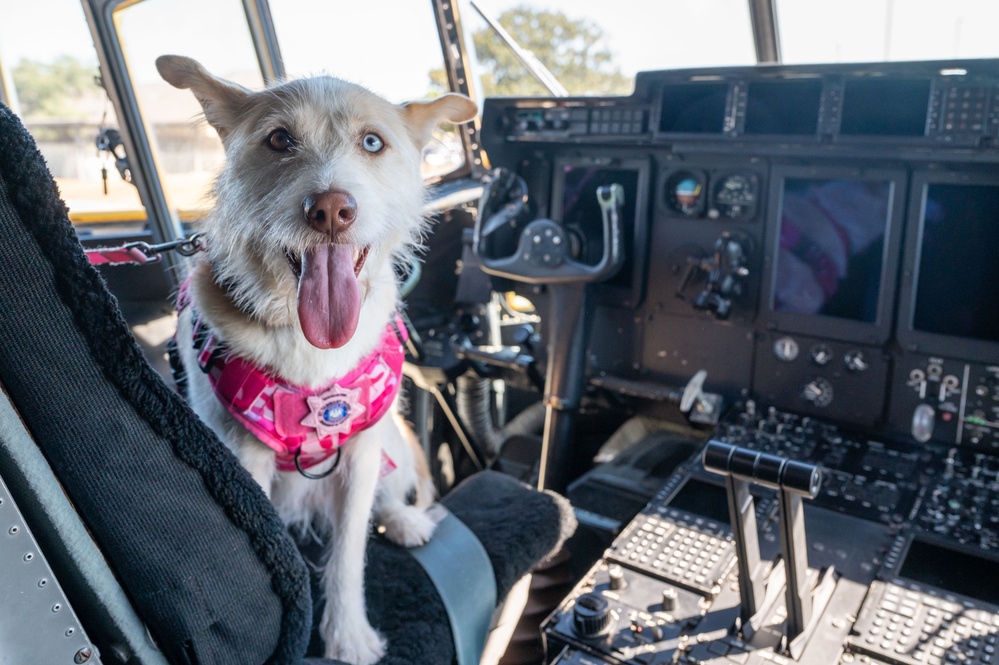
[288, 330]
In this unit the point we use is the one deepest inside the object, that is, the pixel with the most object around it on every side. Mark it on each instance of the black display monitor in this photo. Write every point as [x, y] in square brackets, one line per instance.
[893, 108]
[950, 569]
[702, 498]
[696, 107]
[783, 107]
[575, 206]
[833, 236]
[952, 255]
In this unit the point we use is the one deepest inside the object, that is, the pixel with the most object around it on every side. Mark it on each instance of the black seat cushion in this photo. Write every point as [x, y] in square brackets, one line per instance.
[516, 525]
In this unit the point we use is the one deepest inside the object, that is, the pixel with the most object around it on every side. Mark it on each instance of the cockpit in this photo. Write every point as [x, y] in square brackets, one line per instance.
[722, 274]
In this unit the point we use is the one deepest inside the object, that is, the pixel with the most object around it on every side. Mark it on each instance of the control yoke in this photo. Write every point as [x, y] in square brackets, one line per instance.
[805, 599]
[543, 254]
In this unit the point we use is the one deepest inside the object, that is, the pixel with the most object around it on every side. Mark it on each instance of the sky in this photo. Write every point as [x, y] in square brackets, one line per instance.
[348, 38]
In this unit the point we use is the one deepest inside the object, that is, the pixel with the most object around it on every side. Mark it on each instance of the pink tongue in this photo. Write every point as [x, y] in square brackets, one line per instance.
[329, 298]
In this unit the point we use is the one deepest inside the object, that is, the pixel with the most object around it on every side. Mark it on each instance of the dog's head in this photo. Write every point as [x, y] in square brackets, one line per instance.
[320, 191]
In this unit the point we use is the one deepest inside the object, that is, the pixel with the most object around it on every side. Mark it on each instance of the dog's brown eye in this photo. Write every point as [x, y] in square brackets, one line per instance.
[280, 140]
[372, 143]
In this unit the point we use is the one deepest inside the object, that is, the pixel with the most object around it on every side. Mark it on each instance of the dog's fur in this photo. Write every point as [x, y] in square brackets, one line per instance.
[246, 286]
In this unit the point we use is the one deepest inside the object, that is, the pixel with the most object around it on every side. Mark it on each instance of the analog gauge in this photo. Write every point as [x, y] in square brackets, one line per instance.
[685, 193]
[735, 196]
[786, 349]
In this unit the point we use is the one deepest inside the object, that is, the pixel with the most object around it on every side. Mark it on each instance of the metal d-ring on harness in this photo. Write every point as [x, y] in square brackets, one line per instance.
[317, 476]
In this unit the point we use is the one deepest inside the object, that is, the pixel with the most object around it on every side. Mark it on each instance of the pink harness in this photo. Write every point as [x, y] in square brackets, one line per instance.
[303, 426]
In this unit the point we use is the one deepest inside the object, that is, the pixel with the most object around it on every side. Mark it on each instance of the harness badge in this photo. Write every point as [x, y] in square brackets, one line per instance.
[334, 411]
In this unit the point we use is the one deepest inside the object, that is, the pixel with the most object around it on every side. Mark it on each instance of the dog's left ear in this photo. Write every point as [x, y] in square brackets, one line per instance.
[219, 98]
[422, 117]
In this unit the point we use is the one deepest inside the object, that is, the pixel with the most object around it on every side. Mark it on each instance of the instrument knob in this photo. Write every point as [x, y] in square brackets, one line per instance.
[669, 599]
[591, 616]
[616, 578]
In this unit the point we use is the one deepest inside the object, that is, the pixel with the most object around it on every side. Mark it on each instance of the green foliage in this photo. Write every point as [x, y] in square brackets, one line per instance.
[54, 89]
[572, 49]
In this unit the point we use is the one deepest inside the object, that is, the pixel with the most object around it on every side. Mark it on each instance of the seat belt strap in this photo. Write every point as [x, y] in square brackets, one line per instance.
[460, 569]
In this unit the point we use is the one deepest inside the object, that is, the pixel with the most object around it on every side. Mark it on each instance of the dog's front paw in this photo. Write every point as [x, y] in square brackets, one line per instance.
[356, 643]
[408, 526]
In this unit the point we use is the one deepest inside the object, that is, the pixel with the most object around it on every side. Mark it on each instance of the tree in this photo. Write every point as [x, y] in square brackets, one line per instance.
[572, 49]
[54, 89]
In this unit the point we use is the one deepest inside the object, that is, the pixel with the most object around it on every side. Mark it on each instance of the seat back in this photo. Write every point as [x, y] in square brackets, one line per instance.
[196, 546]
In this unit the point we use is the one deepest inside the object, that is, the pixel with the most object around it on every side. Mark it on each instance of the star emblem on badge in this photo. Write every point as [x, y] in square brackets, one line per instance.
[334, 411]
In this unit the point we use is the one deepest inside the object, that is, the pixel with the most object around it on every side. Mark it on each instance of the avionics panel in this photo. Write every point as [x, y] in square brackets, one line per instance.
[949, 302]
[832, 243]
[575, 206]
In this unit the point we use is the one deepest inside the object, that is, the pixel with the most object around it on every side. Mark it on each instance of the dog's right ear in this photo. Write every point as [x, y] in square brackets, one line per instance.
[219, 98]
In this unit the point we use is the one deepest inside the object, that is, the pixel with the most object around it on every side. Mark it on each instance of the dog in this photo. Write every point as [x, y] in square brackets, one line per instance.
[319, 197]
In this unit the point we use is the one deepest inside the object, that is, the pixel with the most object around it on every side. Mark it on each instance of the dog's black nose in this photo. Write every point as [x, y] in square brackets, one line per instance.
[331, 212]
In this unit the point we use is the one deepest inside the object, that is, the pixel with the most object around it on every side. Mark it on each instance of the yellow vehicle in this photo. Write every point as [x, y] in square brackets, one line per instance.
[722, 273]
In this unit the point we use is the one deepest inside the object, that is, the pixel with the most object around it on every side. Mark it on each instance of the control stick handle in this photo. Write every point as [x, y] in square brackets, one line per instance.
[543, 253]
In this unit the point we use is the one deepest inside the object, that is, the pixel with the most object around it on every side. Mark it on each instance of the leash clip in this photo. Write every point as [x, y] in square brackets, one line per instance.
[184, 246]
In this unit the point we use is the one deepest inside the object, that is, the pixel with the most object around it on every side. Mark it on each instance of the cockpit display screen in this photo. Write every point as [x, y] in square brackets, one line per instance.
[783, 107]
[830, 253]
[958, 262]
[874, 107]
[950, 569]
[701, 498]
[581, 215]
[694, 108]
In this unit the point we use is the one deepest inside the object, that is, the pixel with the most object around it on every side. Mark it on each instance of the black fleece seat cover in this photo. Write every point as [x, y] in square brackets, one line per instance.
[196, 545]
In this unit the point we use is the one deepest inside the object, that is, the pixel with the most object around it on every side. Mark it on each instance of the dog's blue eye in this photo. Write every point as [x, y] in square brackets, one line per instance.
[280, 140]
[372, 143]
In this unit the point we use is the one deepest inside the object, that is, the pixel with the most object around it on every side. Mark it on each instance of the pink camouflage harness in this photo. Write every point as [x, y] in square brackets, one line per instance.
[303, 426]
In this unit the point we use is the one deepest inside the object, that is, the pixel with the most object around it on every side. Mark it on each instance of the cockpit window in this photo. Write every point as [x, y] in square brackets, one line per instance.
[596, 47]
[886, 30]
[188, 153]
[389, 46]
[52, 84]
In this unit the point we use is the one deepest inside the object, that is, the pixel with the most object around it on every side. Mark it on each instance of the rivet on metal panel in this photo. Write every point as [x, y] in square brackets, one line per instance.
[82, 656]
[42, 583]
[13, 530]
[28, 557]
[70, 632]
[57, 607]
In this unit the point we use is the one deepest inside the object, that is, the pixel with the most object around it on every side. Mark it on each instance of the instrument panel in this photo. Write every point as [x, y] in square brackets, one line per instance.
[822, 241]
[804, 243]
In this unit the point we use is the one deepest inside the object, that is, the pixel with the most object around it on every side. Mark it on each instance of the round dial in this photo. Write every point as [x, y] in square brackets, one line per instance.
[855, 361]
[821, 354]
[736, 195]
[685, 193]
[818, 391]
[786, 349]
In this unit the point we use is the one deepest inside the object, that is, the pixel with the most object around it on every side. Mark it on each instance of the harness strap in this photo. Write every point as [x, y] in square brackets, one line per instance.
[460, 569]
